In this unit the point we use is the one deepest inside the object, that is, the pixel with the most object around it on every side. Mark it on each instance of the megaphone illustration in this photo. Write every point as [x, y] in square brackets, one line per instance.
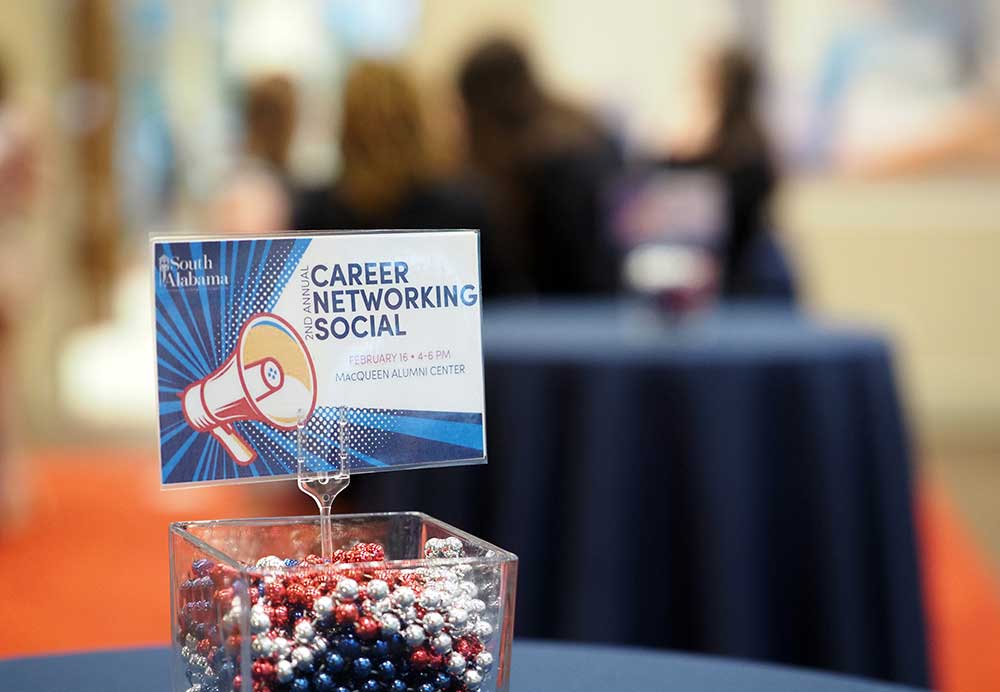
[269, 378]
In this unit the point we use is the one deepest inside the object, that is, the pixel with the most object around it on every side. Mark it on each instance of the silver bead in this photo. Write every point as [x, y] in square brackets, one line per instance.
[270, 562]
[302, 657]
[414, 636]
[453, 545]
[390, 624]
[472, 678]
[377, 589]
[284, 671]
[476, 605]
[323, 607]
[469, 589]
[432, 547]
[484, 661]
[347, 589]
[441, 643]
[262, 646]
[431, 599]
[458, 617]
[433, 622]
[259, 621]
[382, 606]
[409, 614]
[403, 597]
[320, 644]
[455, 663]
[304, 631]
[483, 630]
[282, 648]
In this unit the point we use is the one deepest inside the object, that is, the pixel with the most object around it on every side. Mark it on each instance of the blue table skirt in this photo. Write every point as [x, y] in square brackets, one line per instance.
[736, 485]
[537, 667]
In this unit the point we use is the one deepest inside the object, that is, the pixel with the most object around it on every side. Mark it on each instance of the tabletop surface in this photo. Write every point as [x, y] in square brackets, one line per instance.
[536, 667]
[622, 330]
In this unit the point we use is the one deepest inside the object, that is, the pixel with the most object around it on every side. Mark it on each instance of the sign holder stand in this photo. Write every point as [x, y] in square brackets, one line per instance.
[324, 486]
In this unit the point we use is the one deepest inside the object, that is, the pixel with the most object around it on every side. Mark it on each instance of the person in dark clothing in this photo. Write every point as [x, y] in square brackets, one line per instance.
[739, 151]
[545, 164]
[384, 182]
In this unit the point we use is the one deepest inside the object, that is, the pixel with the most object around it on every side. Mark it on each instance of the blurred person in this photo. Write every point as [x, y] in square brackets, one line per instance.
[257, 196]
[385, 180]
[546, 163]
[18, 187]
[737, 148]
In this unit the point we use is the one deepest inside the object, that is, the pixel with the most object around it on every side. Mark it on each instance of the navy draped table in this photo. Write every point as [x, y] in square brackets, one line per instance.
[536, 667]
[737, 484]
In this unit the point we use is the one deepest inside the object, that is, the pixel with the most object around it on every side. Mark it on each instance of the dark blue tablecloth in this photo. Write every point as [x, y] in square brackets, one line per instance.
[536, 667]
[739, 484]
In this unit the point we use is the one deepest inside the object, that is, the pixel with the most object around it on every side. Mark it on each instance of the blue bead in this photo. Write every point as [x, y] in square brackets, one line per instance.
[341, 689]
[386, 670]
[349, 647]
[362, 667]
[334, 662]
[301, 685]
[426, 687]
[397, 686]
[397, 644]
[442, 680]
[380, 649]
[323, 682]
[371, 686]
[201, 566]
[291, 562]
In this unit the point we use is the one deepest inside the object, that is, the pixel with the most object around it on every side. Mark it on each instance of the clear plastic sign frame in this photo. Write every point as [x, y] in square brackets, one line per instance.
[320, 354]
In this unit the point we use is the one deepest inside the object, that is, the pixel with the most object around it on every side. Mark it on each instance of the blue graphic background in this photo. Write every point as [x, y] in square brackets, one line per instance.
[197, 328]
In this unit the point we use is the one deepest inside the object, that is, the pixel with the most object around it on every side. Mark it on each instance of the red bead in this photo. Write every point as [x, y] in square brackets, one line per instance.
[233, 643]
[279, 616]
[367, 628]
[420, 658]
[296, 594]
[238, 683]
[204, 646]
[222, 575]
[346, 613]
[275, 591]
[468, 646]
[262, 670]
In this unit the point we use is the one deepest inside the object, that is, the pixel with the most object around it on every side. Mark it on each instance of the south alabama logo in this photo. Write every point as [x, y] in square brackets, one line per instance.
[176, 272]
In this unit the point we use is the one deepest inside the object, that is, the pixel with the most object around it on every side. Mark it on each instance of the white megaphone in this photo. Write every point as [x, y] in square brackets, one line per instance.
[269, 378]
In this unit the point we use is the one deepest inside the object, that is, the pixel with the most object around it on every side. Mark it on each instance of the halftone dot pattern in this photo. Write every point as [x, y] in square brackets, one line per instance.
[366, 431]
[264, 284]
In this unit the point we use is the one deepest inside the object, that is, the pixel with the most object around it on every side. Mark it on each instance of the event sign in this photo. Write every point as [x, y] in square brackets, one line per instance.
[269, 348]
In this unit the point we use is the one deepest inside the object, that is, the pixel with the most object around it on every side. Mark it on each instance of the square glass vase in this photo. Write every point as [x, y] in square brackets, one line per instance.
[405, 603]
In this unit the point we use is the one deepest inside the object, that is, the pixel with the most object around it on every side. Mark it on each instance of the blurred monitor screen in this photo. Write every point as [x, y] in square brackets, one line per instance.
[680, 207]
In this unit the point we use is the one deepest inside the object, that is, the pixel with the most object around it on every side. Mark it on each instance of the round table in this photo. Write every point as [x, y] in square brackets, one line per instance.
[738, 483]
[536, 667]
